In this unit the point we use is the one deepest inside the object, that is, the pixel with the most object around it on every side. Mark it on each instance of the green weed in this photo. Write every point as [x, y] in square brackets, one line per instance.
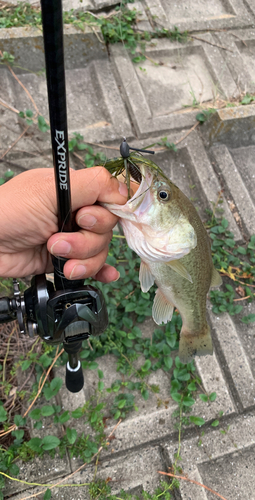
[119, 27]
[22, 14]
[90, 159]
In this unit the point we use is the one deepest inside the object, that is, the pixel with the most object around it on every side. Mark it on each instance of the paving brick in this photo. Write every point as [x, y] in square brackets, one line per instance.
[132, 472]
[200, 15]
[239, 191]
[94, 106]
[220, 462]
[41, 470]
[233, 127]
[156, 94]
[239, 56]
[26, 45]
[236, 360]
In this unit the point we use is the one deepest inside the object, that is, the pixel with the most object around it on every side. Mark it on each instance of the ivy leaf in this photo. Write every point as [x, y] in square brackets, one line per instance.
[18, 434]
[197, 420]
[213, 396]
[42, 125]
[45, 360]
[29, 113]
[204, 397]
[121, 403]
[35, 414]
[50, 442]
[14, 469]
[168, 362]
[77, 413]
[100, 385]
[183, 375]
[71, 435]
[51, 391]
[215, 423]
[146, 366]
[176, 397]
[188, 401]
[35, 444]
[3, 414]
[93, 365]
[117, 415]
[241, 250]
[145, 394]
[248, 319]
[47, 494]
[19, 420]
[46, 411]
[26, 364]
[84, 354]
[201, 117]
[64, 417]
[192, 386]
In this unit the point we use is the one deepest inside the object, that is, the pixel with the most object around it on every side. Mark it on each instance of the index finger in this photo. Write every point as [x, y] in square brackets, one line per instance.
[96, 184]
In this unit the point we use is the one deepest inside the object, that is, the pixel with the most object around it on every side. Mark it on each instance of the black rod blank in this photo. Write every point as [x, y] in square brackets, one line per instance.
[52, 22]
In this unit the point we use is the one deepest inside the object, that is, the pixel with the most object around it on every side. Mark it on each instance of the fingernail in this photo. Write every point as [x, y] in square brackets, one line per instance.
[61, 247]
[123, 189]
[87, 221]
[78, 271]
[118, 277]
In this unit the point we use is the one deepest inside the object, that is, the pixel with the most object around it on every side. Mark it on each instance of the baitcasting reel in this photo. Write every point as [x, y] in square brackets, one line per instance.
[59, 316]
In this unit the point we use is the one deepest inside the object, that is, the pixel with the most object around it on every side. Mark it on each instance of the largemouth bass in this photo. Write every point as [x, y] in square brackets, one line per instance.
[163, 227]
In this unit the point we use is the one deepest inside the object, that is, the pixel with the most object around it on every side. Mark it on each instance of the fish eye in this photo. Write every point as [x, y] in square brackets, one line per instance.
[163, 195]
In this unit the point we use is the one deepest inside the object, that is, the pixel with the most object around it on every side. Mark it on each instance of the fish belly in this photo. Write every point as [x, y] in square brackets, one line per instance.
[190, 300]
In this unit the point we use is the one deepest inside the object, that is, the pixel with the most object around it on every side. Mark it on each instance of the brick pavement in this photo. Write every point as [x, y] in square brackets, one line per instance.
[110, 97]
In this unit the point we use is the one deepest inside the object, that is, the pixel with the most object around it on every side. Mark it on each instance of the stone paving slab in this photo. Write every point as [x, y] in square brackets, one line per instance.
[201, 15]
[159, 91]
[26, 45]
[40, 470]
[132, 471]
[222, 461]
[94, 105]
[239, 191]
[240, 56]
[233, 127]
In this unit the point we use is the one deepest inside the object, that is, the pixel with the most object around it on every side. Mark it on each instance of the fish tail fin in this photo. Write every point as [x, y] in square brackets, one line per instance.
[192, 344]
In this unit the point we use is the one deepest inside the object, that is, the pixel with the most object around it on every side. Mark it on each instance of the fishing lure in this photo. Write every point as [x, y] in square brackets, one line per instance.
[129, 162]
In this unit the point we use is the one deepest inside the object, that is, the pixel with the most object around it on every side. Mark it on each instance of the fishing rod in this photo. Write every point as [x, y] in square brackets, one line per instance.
[67, 312]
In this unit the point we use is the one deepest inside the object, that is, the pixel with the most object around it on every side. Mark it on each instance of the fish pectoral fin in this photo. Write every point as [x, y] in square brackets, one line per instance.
[216, 278]
[145, 277]
[162, 309]
[179, 268]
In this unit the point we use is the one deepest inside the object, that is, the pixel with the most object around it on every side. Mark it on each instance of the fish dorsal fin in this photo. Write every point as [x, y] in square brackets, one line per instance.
[162, 309]
[145, 277]
[179, 268]
[216, 278]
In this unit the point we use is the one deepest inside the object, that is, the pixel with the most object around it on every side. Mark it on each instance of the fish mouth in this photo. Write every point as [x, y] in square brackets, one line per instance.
[141, 199]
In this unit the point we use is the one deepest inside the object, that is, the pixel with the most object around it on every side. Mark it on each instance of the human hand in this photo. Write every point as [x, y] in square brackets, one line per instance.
[29, 224]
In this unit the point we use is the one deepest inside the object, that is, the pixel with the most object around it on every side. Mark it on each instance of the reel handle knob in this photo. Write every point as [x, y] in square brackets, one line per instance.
[74, 377]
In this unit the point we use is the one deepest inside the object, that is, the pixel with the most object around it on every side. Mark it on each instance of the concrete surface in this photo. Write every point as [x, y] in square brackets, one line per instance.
[108, 96]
